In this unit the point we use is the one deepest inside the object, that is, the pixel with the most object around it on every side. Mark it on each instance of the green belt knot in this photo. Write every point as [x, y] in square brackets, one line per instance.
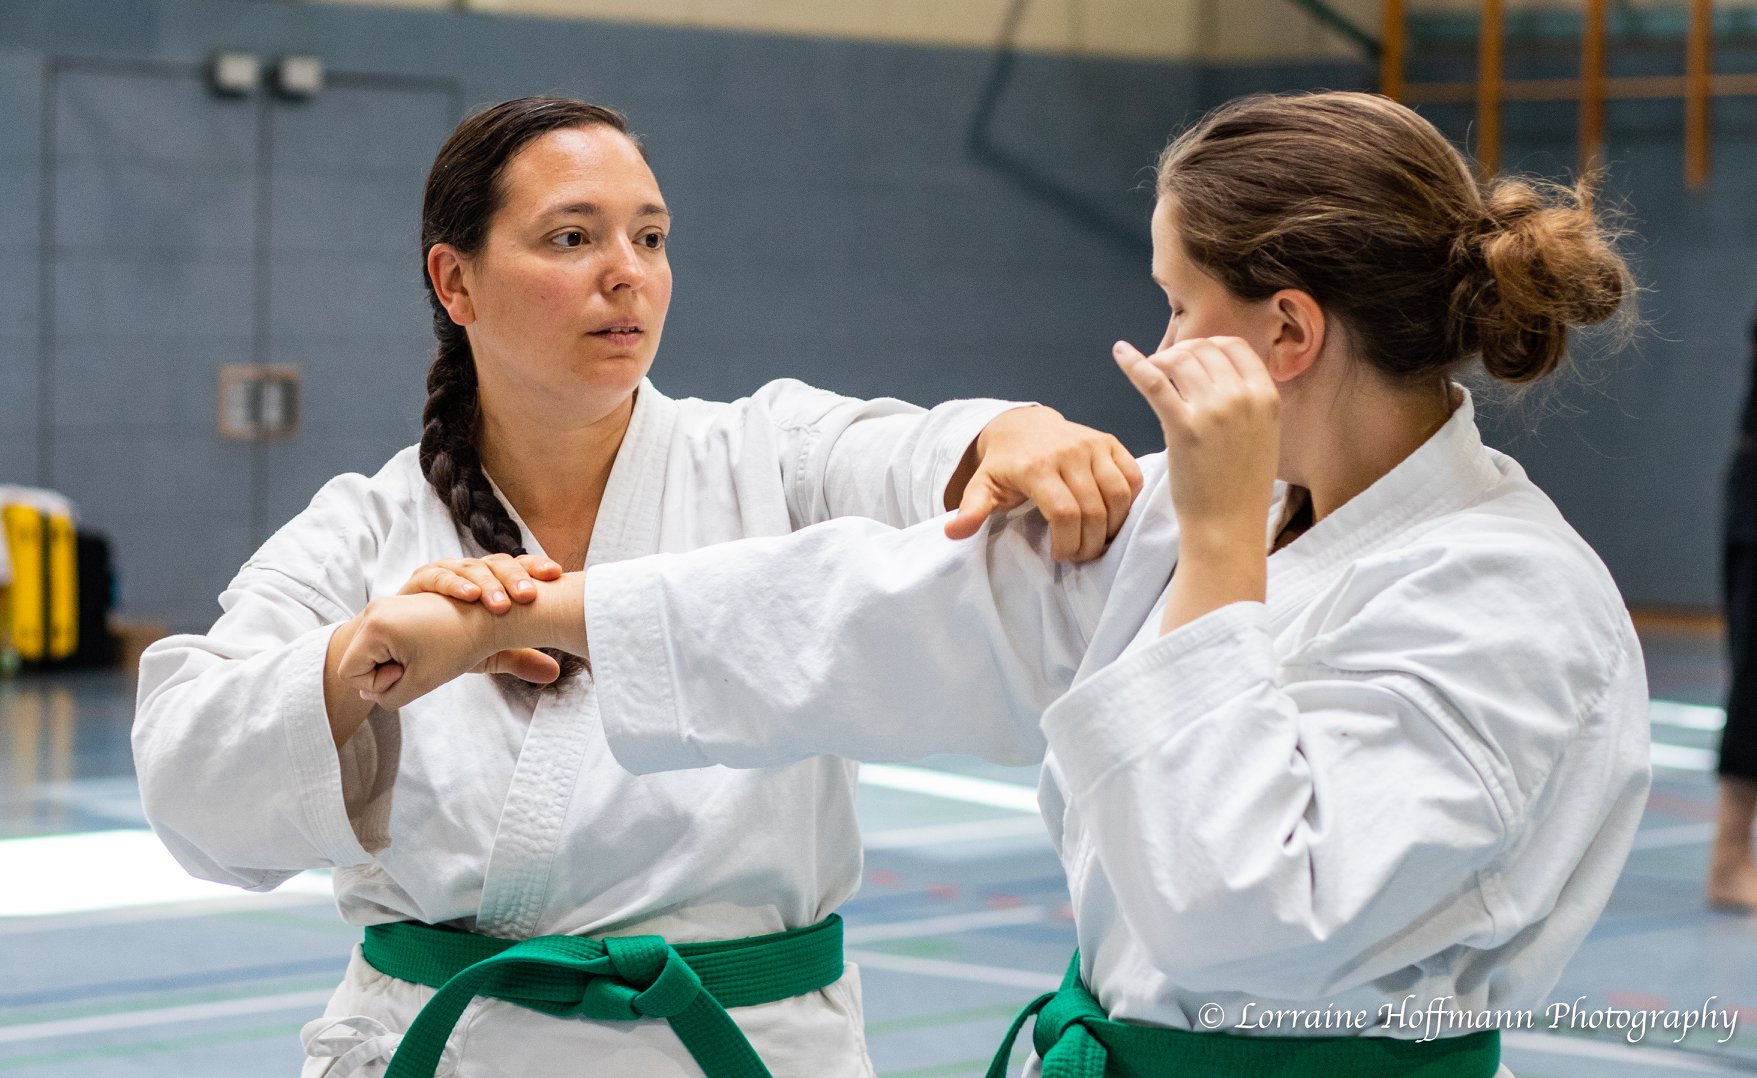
[647, 979]
[1064, 1040]
[618, 979]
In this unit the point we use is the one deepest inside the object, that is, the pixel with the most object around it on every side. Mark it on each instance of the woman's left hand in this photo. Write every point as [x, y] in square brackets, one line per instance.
[497, 581]
[1082, 480]
[1220, 413]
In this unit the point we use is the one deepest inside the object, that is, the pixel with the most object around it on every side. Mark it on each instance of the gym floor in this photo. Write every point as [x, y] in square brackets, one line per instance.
[113, 963]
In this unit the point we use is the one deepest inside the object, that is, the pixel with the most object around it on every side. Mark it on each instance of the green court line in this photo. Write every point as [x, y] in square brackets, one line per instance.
[918, 947]
[165, 1044]
[948, 1018]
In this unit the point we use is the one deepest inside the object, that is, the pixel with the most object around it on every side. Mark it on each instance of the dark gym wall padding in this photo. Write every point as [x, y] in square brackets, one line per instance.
[835, 221]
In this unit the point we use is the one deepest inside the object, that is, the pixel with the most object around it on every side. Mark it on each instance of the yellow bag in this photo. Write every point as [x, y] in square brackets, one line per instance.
[63, 587]
[45, 583]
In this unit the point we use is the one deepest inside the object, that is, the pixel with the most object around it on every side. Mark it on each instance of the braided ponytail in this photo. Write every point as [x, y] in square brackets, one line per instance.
[461, 196]
[448, 445]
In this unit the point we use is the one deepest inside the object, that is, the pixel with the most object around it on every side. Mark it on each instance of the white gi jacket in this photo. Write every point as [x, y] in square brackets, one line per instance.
[471, 808]
[1412, 775]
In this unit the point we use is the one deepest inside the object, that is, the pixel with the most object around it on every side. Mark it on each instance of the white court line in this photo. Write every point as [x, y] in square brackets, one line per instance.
[969, 831]
[1670, 713]
[1683, 758]
[165, 1016]
[106, 870]
[946, 925]
[1686, 716]
[922, 780]
[194, 907]
[1640, 1055]
[1684, 834]
[958, 971]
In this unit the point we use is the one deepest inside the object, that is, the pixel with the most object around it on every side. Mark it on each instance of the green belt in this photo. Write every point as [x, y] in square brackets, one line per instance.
[1076, 1039]
[617, 979]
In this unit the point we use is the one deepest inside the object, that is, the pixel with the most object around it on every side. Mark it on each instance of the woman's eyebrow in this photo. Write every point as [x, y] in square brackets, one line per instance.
[575, 209]
[592, 209]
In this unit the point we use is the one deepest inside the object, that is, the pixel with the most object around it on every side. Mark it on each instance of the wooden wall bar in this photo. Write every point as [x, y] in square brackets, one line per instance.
[1698, 88]
[1488, 89]
[1391, 47]
[1592, 88]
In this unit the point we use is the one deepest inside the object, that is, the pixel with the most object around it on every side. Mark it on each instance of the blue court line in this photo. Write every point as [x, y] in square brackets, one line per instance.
[199, 979]
[1050, 931]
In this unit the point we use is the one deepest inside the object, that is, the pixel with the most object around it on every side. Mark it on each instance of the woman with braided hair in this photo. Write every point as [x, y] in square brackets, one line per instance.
[1344, 737]
[485, 836]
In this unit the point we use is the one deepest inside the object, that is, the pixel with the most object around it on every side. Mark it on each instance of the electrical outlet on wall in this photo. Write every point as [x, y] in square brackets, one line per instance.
[258, 401]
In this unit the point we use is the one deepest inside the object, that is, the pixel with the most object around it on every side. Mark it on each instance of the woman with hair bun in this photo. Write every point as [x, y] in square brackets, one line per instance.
[485, 838]
[1345, 736]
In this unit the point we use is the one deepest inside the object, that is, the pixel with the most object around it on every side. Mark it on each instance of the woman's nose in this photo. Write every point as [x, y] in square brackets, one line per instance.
[626, 270]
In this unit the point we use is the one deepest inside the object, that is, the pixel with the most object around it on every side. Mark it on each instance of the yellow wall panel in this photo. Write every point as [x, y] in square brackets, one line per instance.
[1241, 30]
[1260, 30]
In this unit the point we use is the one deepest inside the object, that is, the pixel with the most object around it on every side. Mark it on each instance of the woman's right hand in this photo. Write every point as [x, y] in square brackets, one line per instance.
[497, 581]
[402, 647]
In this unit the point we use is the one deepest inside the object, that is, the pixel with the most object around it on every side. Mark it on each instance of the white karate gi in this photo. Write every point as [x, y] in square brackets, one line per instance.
[1413, 774]
[470, 808]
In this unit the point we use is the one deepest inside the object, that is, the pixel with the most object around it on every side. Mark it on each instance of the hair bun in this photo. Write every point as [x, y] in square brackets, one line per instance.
[1539, 263]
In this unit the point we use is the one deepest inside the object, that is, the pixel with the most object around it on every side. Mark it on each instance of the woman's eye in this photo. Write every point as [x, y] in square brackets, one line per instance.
[653, 240]
[571, 238]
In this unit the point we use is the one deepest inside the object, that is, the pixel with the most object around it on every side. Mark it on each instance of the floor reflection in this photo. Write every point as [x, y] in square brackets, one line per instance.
[64, 753]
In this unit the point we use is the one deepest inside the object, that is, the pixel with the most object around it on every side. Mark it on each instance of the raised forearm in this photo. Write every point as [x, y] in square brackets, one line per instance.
[555, 619]
[1216, 567]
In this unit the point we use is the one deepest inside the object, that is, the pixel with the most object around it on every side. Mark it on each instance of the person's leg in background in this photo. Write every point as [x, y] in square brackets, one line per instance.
[1732, 872]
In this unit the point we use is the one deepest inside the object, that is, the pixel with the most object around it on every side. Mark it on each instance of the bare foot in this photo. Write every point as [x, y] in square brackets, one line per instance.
[1733, 886]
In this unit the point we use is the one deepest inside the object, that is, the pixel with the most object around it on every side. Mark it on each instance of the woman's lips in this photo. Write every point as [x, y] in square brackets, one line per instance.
[620, 336]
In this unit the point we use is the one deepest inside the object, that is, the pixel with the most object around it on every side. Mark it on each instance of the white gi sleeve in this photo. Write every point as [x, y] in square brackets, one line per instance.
[1283, 825]
[238, 771]
[883, 458]
[848, 638]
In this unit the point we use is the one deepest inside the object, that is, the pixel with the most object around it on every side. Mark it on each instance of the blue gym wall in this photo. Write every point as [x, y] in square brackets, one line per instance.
[842, 216]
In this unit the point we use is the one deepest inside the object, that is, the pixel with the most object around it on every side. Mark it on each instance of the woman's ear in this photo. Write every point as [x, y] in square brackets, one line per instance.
[447, 270]
[1298, 334]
